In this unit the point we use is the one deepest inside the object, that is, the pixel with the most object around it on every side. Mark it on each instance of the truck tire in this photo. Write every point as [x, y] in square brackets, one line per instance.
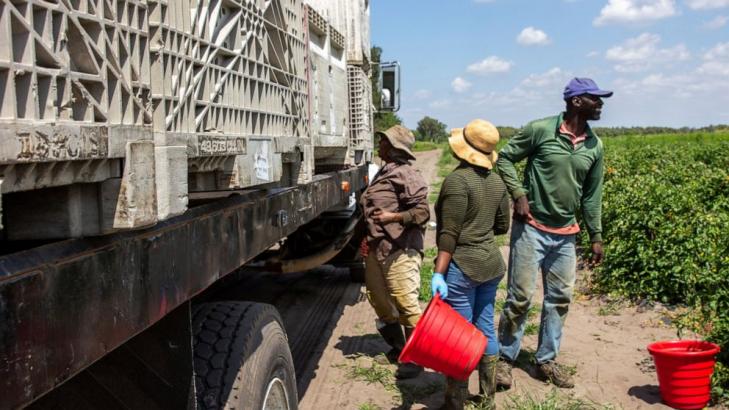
[242, 358]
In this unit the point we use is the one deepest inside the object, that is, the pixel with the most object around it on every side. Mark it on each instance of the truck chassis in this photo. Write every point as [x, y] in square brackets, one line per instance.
[65, 305]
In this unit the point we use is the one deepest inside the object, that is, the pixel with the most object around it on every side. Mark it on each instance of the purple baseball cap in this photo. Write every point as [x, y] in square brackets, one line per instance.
[579, 86]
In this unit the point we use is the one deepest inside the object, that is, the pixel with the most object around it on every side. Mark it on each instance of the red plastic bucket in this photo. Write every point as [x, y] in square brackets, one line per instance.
[684, 370]
[445, 342]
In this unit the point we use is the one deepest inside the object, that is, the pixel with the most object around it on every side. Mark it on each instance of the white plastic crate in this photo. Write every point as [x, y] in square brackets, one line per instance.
[351, 18]
[329, 94]
[74, 85]
[229, 85]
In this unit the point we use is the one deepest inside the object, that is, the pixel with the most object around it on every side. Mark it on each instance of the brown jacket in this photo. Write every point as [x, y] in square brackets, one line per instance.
[396, 188]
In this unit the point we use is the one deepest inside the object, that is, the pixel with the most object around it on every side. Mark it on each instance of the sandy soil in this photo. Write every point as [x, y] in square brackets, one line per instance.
[605, 343]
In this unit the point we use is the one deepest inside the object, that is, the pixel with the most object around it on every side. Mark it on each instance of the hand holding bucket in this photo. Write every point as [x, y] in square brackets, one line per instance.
[445, 342]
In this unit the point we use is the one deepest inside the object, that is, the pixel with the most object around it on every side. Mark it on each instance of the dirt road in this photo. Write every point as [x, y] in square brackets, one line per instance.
[604, 342]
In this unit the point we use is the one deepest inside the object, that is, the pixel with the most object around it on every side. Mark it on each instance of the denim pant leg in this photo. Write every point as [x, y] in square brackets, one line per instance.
[475, 302]
[461, 293]
[483, 313]
[558, 277]
[525, 256]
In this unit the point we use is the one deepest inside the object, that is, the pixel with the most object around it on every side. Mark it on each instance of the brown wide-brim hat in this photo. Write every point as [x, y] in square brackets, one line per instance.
[476, 143]
[400, 138]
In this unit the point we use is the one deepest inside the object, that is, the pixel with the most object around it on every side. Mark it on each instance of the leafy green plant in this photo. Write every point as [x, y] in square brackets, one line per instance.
[665, 219]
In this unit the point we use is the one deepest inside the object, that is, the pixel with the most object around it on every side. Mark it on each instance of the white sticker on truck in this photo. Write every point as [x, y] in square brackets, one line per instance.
[260, 164]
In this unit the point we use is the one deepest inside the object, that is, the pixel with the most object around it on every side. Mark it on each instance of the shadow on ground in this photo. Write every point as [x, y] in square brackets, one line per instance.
[649, 393]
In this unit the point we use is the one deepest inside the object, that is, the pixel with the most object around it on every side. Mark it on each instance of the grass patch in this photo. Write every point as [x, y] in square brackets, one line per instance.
[372, 374]
[426, 274]
[531, 329]
[533, 311]
[499, 306]
[446, 164]
[611, 308]
[369, 406]
[555, 400]
[421, 146]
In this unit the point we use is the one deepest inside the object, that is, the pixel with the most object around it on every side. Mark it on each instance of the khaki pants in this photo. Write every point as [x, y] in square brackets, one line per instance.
[393, 286]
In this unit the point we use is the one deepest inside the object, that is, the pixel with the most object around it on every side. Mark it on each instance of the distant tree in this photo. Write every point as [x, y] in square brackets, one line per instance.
[506, 132]
[375, 53]
[385, 120]
[430, 129]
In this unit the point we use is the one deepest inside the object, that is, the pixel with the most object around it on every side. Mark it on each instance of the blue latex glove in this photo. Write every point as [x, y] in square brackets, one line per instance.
[438, 285]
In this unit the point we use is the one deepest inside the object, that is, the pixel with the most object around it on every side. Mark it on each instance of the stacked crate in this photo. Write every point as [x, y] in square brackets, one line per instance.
[112, 111]
[74, 102]
[229, 92]
[329, 97]
[351, 18]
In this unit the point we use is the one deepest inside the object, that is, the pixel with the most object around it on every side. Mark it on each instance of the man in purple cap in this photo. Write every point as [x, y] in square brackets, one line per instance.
[564, 172]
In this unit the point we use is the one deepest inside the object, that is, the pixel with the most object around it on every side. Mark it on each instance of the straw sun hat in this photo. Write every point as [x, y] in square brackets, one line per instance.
[476, 143]
[400, 138]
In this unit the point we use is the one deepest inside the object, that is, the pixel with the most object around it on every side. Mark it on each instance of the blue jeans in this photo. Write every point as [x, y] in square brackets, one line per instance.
[532, 250]
[475, 302]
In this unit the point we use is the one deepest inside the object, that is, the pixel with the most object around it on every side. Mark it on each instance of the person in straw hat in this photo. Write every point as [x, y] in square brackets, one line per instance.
[473, 207]
[564, 173]
[395, 210]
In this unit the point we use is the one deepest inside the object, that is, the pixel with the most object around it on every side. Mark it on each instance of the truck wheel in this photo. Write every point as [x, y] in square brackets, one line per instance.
[242, 358]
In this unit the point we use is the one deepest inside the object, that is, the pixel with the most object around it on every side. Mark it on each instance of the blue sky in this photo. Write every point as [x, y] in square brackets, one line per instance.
[507, 61]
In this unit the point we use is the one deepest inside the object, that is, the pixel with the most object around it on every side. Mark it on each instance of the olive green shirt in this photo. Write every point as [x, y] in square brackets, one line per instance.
[472, 207]
[559, 177]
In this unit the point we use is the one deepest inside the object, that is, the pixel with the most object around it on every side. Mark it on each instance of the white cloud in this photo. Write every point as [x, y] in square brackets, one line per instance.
[490, 65]
[635, 11]
[554, 78]
[716, 23]
[531, 36]
[593, 54]
[460, 85]
[642, 52]
[440, 103]
[422, 94]
[716, 61]
[707, 4]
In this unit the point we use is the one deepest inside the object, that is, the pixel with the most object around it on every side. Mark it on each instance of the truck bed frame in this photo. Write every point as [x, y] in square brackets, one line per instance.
[67, 304]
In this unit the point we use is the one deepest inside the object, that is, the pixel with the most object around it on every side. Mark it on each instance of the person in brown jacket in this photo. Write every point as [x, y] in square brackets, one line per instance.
[395, 209]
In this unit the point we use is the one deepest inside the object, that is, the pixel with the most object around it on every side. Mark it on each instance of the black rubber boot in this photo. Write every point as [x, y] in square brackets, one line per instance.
[456, 394]
[394, 336]
[408, 370]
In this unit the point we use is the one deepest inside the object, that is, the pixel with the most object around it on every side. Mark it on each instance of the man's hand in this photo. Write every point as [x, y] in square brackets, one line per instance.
[521, 209]
[385, 217]
[597, 253]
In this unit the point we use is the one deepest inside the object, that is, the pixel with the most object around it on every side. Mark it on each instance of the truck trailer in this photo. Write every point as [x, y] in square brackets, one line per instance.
[150, 148]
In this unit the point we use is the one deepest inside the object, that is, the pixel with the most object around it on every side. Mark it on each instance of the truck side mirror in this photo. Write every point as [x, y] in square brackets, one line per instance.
[390, 86]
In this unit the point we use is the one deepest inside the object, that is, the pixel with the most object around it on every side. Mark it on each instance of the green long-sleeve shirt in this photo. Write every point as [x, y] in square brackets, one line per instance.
[472, 207]
[559, 177]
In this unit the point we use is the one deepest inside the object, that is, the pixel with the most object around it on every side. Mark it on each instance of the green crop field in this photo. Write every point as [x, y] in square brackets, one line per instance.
[666, 229]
